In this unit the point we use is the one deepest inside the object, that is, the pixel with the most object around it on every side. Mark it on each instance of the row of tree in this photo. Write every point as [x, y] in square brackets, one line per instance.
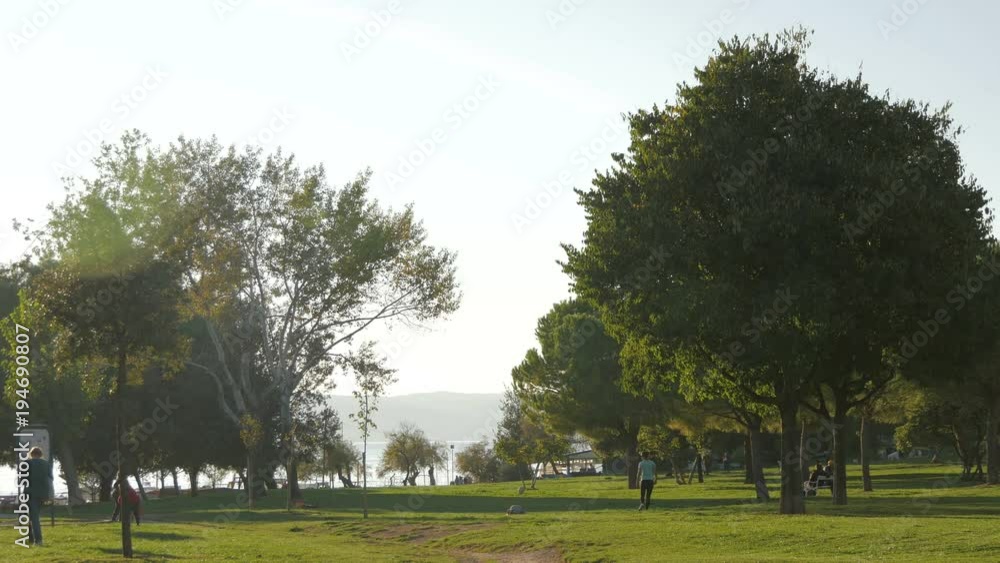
[231, 284]
[778, 246]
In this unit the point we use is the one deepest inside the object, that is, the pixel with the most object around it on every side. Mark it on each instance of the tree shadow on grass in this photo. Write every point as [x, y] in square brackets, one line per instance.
[431, 504]
[162, 536]
[138, 554]
[919, 505]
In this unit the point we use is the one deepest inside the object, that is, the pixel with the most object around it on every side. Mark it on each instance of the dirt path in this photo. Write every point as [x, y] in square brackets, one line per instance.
[544, 556]
[422, 533]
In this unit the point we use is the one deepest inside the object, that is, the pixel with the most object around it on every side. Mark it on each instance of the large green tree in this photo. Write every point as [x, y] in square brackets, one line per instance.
[947, 417]
[313, 265]
[408, 451]
[111, 275]
[805, 227]
[522, 438]
[480, 461]
[574, 381]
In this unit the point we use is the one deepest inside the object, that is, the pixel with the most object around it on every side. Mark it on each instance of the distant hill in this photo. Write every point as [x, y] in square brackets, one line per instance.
[443, 416]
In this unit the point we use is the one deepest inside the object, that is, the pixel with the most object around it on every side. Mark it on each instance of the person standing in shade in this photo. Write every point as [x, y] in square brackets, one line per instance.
[647, 478]
[134, 503]
[37, 491]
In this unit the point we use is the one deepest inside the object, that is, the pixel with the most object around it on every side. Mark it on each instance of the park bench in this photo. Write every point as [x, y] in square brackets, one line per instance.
[822, 482]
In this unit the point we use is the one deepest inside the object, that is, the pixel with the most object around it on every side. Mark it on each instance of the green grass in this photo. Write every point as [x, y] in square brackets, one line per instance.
[917, 513]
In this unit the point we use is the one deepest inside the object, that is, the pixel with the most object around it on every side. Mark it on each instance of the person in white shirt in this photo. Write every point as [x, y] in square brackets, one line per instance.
[647, 478]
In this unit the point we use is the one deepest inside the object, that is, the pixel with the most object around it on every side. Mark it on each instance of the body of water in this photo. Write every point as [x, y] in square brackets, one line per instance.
[8, 475]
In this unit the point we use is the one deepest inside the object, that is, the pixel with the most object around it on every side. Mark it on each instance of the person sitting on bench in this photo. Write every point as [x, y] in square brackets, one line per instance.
[817, 479]
[816, 474]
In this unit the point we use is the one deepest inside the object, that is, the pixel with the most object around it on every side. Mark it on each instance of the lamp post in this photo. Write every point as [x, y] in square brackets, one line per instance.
[451, 469]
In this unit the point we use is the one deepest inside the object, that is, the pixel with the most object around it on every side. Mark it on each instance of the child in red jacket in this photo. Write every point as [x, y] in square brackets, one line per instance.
[134, 503]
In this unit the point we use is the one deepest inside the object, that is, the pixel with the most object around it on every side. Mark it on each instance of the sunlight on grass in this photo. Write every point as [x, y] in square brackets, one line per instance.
[917, 512]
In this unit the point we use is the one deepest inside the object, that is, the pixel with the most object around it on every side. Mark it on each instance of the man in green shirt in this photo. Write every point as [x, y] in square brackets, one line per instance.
[37, 491]
[647, 478]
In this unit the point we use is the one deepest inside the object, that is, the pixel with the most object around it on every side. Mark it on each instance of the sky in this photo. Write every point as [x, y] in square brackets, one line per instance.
[483, 115]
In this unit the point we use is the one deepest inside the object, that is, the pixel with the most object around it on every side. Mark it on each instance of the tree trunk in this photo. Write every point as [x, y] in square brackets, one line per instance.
[251, 481]
[430, 474]
[193, 475]
[962, 455]
[678, 474]
[632, 465]
[699, 465]
[555, 470]
[840, 453]
[104, 488]
[756, 461]
[68, 464]
[291, 463]
[534, 477]
[993, 443]
[364, 478]
[345, 481]
[791, 472]
[803, 462]
[867, 441]
[747, 460]
[292, 468]
[268, 481]
[138, 483]
[120, 424]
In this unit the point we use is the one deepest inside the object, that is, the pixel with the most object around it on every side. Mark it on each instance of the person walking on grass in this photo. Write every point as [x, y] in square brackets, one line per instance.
[37, 491]
[647, 478]
[134, 503]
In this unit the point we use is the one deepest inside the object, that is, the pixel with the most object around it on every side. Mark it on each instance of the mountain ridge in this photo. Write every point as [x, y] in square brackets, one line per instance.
[442, 415]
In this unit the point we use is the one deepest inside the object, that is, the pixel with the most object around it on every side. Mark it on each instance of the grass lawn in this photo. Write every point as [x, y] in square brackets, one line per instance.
[917, 513]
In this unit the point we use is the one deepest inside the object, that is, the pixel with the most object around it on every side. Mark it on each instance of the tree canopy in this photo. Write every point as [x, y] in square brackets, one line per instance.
[802, 226]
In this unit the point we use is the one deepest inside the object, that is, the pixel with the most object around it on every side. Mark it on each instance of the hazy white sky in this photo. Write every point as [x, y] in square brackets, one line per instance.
[499, 98]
